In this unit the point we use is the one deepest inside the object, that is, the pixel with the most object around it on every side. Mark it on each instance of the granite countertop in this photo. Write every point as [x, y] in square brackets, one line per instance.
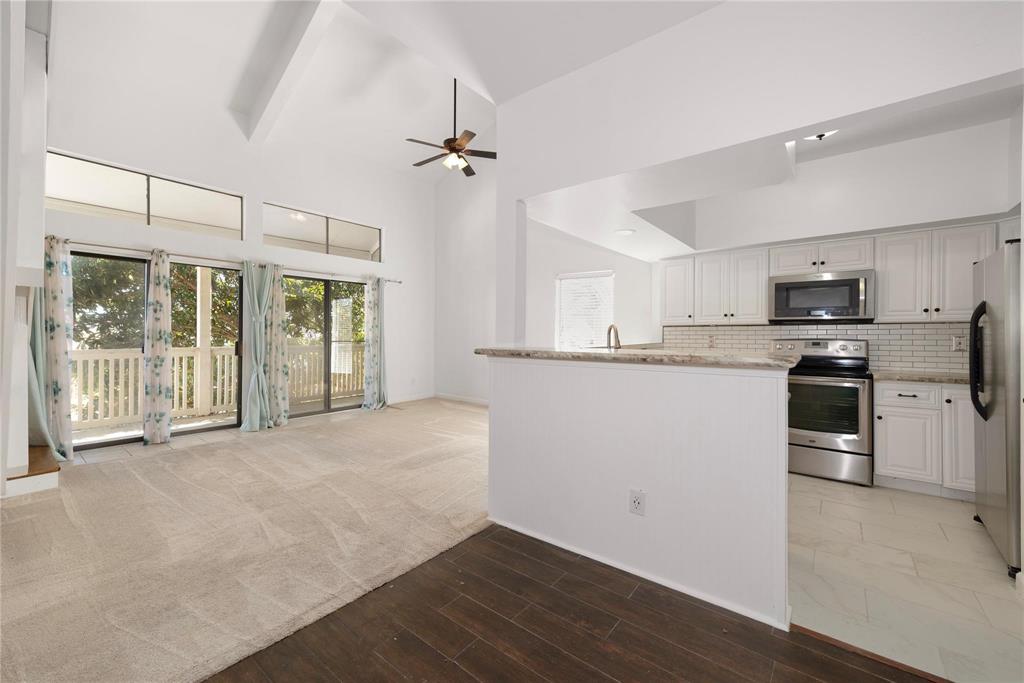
[653, 356]
[929, 376]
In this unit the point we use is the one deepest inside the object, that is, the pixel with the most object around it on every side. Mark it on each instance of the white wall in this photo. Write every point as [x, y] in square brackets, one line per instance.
[551, 253]
[465, 277]
[693, 88]
[958, 174]
[12, 66]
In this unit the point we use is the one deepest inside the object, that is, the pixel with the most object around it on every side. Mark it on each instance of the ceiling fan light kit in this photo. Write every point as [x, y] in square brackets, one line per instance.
[455, 152]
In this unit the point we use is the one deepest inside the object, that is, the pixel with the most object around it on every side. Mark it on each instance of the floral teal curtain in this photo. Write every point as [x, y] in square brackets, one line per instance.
[277, 351]
[266, 345]
[56, 335]
[157, 391]
[373, 381]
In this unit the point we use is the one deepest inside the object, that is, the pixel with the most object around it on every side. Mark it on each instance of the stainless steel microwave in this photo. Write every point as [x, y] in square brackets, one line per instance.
[822, 296]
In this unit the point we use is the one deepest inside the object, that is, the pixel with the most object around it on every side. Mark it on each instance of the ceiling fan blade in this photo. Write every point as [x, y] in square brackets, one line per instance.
[421, 142]
[427, 161]
[479, 153]
[464, 139]
[468, 170]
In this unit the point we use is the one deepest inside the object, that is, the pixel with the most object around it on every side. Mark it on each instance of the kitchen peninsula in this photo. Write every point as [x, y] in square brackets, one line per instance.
[667, 464]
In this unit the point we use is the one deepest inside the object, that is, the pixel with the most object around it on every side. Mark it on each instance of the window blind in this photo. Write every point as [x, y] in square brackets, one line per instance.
[584, 309]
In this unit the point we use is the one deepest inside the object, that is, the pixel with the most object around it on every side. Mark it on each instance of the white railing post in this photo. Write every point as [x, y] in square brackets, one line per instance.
[202, 386]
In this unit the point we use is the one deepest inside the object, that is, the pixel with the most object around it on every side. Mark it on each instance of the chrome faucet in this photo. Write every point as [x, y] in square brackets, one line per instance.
[608, 337]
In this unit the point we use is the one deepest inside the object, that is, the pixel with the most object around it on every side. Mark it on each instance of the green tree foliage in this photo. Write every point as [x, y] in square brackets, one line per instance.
[110, 302]
[110, 305]
[304, 304]
[224, 305]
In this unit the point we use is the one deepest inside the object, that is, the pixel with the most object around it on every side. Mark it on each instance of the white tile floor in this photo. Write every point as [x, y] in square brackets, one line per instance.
[906, 576]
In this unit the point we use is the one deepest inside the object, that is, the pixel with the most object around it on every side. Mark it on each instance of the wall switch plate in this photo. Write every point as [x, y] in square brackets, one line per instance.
[637, 502]
[959, 343]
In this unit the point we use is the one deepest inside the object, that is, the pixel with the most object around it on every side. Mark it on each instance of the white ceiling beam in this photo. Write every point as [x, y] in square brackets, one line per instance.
[296, 52]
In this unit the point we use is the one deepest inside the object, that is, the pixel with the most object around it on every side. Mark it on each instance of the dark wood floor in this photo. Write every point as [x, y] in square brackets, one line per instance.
[505, 607]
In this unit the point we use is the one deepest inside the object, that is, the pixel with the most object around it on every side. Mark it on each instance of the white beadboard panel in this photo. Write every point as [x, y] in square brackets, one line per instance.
[903, 346]
[569, 440]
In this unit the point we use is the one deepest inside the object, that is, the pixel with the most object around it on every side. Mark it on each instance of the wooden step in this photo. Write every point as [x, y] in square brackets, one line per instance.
[40, 461]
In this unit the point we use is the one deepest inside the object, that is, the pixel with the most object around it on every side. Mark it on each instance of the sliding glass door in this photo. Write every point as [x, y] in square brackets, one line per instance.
[106, 355]
[205, 365]
[106, 360]
[325, 344]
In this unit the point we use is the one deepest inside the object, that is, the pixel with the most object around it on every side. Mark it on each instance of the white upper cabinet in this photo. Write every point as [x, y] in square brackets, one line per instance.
[954, 250]
[677, 296]
[711, 288]
[823, 257]
[837, 257]
[903, 277]
[801, 259]
[749, 287]
[957, 438]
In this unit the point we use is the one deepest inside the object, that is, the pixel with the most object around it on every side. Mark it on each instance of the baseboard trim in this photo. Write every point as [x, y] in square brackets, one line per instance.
[923, 487]
[796, 628]
[701, 595]
[464, 399]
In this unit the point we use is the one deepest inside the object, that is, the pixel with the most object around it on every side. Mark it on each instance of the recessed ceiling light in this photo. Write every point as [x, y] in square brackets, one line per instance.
[296, 216]
[821, 136]
[625, 231]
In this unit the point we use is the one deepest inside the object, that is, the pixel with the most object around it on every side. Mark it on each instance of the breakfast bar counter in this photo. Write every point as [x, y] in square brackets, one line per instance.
[667, 464]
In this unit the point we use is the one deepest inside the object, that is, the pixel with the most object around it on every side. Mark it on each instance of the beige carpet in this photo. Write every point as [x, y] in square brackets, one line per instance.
[171, 566]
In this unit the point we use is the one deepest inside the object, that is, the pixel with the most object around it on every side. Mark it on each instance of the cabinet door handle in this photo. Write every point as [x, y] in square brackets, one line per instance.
[732, 315]
[937, 309]
[689, 315]
[821, 263]
[925, 310]
[879, 417]
[814, 263]
[725, 315]
[907, 395]
[949, 400]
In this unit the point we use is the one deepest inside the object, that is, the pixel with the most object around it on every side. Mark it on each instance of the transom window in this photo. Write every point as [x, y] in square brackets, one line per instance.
[96, 189]
[584, 308]
[297, 229]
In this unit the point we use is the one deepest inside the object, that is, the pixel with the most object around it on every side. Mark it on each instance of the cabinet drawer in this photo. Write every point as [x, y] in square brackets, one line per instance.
[910, 395]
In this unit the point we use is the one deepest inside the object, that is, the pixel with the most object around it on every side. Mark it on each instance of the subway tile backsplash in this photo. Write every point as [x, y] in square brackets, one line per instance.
[901, 346]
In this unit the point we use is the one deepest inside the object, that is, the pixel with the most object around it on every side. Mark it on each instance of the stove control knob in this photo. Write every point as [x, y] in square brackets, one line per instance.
[856, 347]
[843, 347]
[790, 346]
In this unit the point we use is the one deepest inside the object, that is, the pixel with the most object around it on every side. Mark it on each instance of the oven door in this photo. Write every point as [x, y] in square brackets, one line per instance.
[830, 412]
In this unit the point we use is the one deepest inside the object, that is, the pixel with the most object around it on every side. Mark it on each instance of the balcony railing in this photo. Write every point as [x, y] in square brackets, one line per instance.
[107, 385]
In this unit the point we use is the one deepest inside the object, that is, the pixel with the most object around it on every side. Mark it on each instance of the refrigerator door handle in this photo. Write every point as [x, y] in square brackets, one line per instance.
[976, 370]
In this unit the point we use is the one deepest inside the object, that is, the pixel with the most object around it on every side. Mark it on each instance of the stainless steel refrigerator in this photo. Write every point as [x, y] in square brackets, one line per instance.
[996, 395]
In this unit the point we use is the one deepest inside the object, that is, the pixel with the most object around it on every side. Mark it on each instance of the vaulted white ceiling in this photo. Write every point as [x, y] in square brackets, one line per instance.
[504, 48]
[313, 75]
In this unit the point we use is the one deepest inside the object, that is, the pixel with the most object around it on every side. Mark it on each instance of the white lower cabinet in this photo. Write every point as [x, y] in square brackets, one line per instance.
[925, 433]
[908, 443]
[957, 438]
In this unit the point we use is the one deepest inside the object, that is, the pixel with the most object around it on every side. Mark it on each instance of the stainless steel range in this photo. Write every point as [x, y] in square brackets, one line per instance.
[830, 407]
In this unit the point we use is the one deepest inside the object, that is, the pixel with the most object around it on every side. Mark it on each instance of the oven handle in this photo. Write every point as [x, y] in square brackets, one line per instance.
[830, 381]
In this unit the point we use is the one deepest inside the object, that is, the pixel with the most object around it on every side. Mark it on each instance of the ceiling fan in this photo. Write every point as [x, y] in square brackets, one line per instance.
[455, 151]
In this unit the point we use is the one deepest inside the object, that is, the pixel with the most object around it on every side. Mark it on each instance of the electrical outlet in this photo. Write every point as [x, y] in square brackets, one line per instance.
[637, 502]
[711, 341]
[959, 343]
